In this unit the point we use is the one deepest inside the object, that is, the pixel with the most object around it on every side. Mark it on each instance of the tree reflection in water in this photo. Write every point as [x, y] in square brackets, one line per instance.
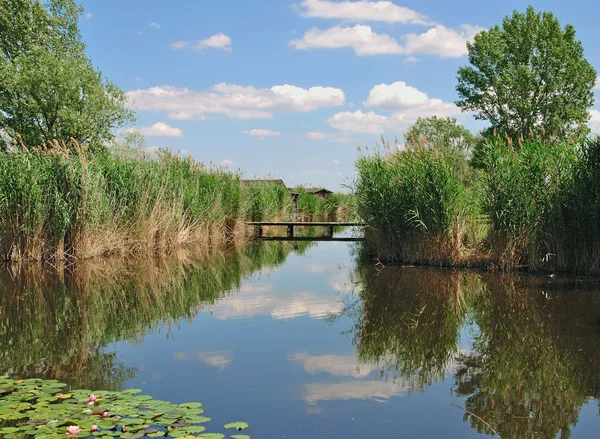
[536, 349]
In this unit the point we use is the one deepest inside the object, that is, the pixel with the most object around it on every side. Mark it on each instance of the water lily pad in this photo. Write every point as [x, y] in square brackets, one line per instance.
[240, 436]
[132, 391]
[237, 425]
[212, 436]
[190, 405]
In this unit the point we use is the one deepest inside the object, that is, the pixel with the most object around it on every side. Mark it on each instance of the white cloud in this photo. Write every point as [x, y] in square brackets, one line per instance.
[218, 359]
[336, 365]
[359, 122]
[257, 300]
[400, 96]
[440, 41]
[155, 25]
[597, 86]
[361, 38]
[137, 78]
[226, 162]
[407, 103]
[235, 101]
[378, 390]
[261, 134]
[362, 10]
[217, 41]
[160, 129]
[89, 15]
[177, 45]
[140, 32]
[335, 162]
[316, 135]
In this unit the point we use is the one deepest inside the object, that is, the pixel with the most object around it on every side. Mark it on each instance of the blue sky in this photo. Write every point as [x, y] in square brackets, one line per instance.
[290, 89]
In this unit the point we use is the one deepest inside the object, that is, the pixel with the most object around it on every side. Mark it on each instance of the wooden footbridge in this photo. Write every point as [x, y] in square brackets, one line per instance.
[259, 225]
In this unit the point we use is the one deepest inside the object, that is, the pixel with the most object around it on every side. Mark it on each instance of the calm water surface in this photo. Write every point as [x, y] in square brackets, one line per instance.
[301, 342]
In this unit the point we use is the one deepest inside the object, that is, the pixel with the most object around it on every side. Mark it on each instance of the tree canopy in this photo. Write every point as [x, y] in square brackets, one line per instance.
[49, 88]
[445, 134]
[528, 77]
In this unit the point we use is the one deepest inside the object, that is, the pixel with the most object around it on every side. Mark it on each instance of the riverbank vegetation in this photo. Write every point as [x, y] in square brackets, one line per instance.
[524, 193]
[61, 202]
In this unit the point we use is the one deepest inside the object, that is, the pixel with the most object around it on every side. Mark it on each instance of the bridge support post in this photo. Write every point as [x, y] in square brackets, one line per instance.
[258, 231]
[330, 231]
[290, 231]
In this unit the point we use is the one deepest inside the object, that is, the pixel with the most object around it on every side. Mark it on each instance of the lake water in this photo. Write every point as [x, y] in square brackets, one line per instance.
[300, 342]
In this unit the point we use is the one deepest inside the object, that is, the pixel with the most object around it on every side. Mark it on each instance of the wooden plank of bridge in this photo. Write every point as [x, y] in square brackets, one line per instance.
[305, 223]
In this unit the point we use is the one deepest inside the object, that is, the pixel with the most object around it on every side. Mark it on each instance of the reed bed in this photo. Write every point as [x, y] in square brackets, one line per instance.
[58, 202]
[532, 205]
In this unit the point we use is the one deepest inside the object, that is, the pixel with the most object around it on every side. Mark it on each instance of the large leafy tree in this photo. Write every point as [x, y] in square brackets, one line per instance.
[446, 135]
[49, 88]
[528, 76]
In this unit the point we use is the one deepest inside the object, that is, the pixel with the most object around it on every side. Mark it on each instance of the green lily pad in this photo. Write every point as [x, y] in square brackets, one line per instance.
[190, 405]
[237, 425]
[240, 436]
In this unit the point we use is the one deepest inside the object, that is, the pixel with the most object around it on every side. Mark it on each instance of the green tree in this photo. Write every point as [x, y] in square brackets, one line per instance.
[49, 88]
[445, 134]
[529, 76]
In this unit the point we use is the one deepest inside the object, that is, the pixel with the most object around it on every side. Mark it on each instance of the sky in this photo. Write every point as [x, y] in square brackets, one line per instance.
[291, 89]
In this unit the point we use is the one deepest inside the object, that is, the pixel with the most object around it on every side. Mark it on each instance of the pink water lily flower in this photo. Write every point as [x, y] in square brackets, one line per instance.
[105, 414]
[94, 428]
[92, 397]
[73, 429]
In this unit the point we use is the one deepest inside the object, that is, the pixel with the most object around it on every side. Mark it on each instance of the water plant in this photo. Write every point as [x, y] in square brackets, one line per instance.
[58, 202]
[46, 409]
[412, 204]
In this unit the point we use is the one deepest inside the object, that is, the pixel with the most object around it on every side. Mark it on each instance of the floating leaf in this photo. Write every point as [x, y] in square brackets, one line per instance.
[237, 425]
[240, 436]
[190, 405]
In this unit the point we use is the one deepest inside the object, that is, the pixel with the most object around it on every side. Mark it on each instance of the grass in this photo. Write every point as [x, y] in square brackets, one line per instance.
[57, 202]
[413, 205]
[534, 205]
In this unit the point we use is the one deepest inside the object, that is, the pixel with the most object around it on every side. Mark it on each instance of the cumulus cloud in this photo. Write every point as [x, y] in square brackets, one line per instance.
[336, 365]
[217, 359]
[442, 41]
[335, 162]
[439, 41]
[160, 129]
[358, 121]
[235, 101]
[226, 162]
[597, 86]
[362, 10]
[378, 390]
[155, 25]
[361, 38]
[217, 41]
[254, 300]
[407, 104]
[89, 15]
[261, 134]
